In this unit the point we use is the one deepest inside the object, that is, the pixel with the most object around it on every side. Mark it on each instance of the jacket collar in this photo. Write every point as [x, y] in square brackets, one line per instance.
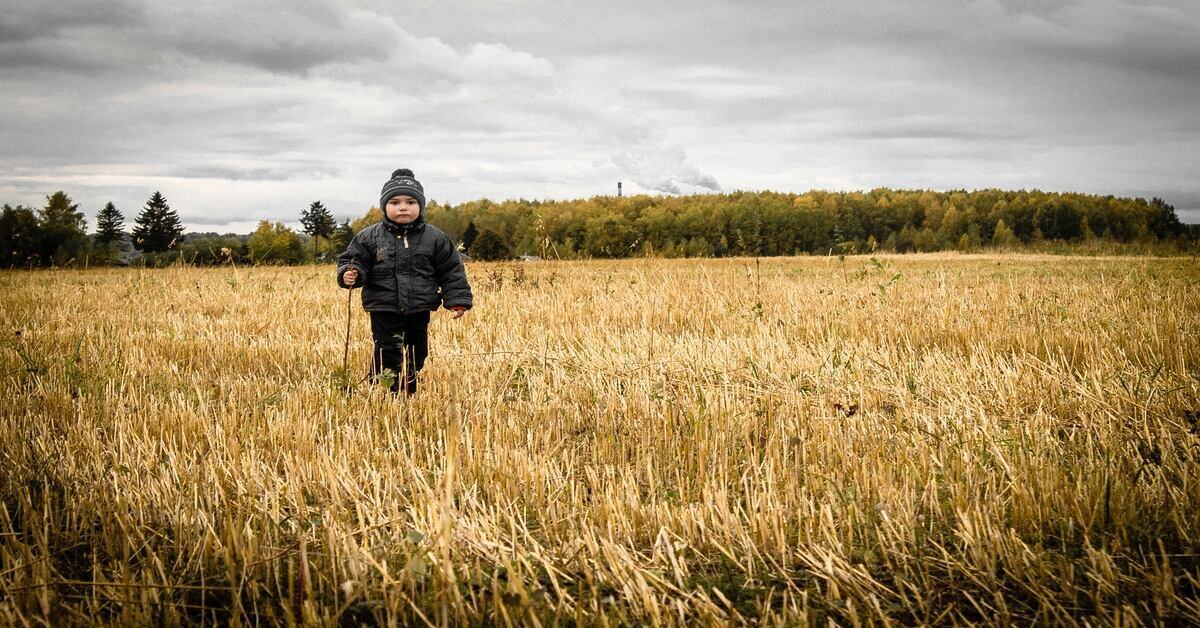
[396, 227]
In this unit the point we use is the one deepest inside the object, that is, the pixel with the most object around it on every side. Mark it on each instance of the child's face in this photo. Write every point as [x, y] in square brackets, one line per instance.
[403, 209]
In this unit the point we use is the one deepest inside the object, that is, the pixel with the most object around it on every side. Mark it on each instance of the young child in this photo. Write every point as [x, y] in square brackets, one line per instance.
[407, 268]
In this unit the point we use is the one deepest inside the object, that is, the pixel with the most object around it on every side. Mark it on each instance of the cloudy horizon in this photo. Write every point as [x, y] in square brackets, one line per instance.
[240, 113]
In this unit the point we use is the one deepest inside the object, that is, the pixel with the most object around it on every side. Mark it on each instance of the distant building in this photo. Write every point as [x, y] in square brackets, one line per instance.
[528, 258]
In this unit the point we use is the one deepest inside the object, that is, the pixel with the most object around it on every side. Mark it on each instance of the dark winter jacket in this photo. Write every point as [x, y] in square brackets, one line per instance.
[406, 268]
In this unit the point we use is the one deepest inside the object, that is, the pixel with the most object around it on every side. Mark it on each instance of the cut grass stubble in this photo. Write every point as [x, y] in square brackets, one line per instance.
[932, 438]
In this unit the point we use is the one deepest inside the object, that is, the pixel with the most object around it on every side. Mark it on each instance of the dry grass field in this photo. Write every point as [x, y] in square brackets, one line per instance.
[919, 439]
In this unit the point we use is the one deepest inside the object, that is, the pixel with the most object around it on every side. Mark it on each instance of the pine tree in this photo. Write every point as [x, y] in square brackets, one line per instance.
[469, 235]
[317, 222]
[158, 227]
[110, 225]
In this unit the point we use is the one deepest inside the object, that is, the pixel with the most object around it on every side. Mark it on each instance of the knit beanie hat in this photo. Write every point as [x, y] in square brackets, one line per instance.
[402, 182]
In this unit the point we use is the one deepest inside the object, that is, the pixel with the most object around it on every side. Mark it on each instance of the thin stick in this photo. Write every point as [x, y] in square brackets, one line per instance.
[346, 346]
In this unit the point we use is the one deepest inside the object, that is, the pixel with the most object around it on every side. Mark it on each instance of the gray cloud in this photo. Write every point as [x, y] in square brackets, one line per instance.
[250, 112]
[25, 21]
[236, 173]
[276, 36]
[909, 129]
[45, 55]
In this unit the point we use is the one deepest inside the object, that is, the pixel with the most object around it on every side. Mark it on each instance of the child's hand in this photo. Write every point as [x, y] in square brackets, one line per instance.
[459, 311]
[350, 277]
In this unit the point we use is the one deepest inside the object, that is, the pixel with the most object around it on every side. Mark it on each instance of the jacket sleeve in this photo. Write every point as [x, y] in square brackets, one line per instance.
[451, 274]
[358, 255]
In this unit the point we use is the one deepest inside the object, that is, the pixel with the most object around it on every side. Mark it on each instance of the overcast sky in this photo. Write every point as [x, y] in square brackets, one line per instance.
[240, 111]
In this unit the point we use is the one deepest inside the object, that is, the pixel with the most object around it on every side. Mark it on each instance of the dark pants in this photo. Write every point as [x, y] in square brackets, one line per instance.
[401, 344]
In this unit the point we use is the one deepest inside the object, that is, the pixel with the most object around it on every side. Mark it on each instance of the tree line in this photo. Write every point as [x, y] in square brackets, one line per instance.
[816, 222]
[707, 225]
[56, 235]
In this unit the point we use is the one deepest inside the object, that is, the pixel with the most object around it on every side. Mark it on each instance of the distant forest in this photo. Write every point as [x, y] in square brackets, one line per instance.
[816, 222]
[705, 225]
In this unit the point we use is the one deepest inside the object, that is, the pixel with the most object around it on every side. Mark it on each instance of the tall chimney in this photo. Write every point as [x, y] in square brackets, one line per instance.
[618, 188]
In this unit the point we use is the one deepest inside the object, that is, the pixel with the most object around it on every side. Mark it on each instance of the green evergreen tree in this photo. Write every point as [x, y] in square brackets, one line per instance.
[110, 225]
[468, 236]
[110, 233]
[158, 226]
[317, 222]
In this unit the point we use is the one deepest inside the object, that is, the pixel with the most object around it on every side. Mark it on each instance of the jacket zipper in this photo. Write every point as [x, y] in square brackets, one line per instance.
[406, 241]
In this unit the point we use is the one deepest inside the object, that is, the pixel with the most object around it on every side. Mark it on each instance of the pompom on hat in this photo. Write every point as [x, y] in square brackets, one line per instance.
[402, 182]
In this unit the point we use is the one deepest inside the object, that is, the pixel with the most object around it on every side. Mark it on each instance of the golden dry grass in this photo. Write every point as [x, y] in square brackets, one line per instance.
[937, 438]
